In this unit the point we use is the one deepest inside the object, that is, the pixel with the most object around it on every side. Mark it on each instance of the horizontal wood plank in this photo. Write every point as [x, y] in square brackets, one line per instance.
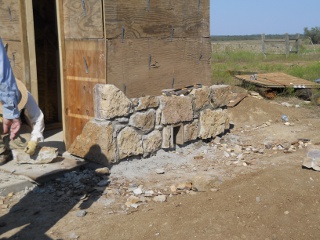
[83, 18]
[10, 20]
[162, 19]
[144, 67]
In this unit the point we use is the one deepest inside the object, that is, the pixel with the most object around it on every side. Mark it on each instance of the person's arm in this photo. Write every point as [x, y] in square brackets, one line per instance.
[9, 92]
[9, 95]
[36, 117]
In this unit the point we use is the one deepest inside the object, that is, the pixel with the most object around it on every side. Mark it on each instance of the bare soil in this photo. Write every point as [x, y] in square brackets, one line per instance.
[266, 194]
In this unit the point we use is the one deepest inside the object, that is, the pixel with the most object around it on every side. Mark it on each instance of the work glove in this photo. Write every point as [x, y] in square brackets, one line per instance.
[31, 147]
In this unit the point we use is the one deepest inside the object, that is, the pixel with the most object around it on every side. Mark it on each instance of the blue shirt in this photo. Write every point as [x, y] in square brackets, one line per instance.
[9, 92]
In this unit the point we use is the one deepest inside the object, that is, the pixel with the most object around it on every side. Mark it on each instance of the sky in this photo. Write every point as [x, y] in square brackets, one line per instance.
[246, 17]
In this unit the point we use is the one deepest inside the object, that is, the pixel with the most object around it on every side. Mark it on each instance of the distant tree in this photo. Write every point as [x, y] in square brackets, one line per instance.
[313, 34]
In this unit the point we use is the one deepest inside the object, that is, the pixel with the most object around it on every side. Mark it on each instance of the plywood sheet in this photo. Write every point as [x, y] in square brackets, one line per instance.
[10, 20]
[146, 66]
[161, 19]
[15, 56]
[85, 66]
[277, 80]
[83, 19]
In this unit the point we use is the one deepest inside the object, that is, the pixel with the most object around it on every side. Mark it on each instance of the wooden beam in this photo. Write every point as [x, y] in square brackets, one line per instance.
[59, 7]
[31, 49]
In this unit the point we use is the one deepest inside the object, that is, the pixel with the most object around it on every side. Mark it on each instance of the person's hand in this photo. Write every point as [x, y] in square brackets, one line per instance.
[31, 147]
[13, 124]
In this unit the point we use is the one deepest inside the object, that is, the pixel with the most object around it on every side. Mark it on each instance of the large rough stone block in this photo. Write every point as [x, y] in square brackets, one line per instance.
[212, 122]
[176, 109]
[201, 97]
[129, 143]
[220, 95]
[96, 143]
[152, 142]
[191, 131]
[147, 102]
[144, 121]
[110, 102]
[41, 156]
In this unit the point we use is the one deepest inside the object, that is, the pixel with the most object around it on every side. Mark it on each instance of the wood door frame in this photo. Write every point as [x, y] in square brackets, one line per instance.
[60, 24]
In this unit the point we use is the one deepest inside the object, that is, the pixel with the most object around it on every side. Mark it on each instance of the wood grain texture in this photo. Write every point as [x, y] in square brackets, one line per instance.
[15, 56]
[160, 19]
[85, 66]
[146, 66]
[83, 18]
[10, 20]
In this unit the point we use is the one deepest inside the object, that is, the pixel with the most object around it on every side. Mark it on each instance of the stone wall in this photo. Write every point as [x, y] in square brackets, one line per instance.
[125, 127]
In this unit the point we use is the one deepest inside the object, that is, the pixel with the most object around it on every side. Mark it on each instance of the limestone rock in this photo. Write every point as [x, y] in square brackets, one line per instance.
[191, 131]
[166, 137]
[201, 97]
[152, 142]
[176, 109]
[42, 156]
[212, 123]
[143, 121]
[204, 183]
[110, 102]
[129, 143]
[220, 95]
[160, 198]
[95, 143]
[147, 102]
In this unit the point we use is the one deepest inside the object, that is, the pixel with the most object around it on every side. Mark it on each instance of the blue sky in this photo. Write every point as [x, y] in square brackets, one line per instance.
[246, 17]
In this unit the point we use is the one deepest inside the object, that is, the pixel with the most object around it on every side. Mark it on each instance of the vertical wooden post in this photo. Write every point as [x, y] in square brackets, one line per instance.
[31, 49]
[59, 7]
[287, 44]
[263, 37]
[298, 43]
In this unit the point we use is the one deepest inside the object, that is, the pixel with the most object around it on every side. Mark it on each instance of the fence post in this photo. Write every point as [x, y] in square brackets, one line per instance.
[287, 44]
[263, 36]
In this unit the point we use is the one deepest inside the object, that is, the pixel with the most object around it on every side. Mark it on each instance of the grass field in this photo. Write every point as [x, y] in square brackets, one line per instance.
[247, 56]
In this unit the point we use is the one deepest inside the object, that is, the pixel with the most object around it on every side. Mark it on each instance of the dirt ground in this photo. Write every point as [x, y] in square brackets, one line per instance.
[261, 192]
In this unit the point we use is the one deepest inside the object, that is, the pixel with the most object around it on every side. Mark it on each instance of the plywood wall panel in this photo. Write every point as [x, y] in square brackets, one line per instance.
[10, 20]
[85, 66]
[83, 19]
[146, 66]
[15, 55]
[160, 19]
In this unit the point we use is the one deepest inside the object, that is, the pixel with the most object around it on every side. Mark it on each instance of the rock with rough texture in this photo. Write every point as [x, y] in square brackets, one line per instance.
[204, 183]
[201, 97]
[147, 102]
[220, 95]
[212, 123]
[160, 198]
[110, 102]
[95, 143]
[152, 142]
[42, 156]
[129, 143]
[166, 137]
[191, 131]
[176, 109]
[144, 121]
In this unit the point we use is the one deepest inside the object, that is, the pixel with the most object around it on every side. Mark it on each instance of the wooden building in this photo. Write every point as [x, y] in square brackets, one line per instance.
[61, 48]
